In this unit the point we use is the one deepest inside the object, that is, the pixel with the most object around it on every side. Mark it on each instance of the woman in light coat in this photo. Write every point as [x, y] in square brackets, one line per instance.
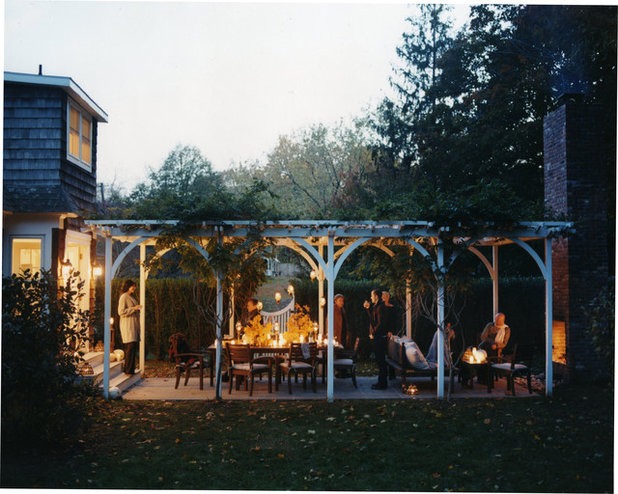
[128, 310]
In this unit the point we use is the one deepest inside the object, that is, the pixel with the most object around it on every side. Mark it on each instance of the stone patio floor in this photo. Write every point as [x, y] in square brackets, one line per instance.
[163, 389]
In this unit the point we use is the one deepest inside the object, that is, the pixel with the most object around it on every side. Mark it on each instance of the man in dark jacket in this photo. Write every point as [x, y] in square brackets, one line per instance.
[378, 331]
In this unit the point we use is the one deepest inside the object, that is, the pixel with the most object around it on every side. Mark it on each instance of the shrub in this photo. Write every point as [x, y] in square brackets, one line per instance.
[600, 314]
[42, 327]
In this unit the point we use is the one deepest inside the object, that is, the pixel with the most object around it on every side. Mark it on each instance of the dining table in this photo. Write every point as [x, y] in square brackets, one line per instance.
[264, 353]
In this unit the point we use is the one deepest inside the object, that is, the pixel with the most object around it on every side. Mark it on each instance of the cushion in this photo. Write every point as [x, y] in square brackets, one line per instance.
[414, 356]
[506, 366]
[247, 366]
[296, 365]
[343, 361]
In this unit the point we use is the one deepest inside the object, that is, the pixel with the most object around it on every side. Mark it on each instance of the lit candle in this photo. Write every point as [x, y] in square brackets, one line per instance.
[290, 290]
[313, 275]
[322, 302]
[277, 297]
[302, 338]
[276, 326]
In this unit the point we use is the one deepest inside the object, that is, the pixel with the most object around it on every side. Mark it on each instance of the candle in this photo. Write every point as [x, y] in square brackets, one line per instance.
[302, 338]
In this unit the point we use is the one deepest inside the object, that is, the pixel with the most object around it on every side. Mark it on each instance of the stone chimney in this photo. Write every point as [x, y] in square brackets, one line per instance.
[577, 159]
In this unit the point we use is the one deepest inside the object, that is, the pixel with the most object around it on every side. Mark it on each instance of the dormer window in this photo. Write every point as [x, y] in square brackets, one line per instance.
[80, 137]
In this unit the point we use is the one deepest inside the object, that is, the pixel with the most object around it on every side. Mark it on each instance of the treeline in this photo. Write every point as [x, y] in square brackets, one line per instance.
[460, 141]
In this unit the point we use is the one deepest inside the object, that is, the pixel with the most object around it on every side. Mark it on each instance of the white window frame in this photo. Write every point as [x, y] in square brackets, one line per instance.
[82, 114]
[12, 239]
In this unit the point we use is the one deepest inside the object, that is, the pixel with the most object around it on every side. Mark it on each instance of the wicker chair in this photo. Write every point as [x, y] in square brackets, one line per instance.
[185, 359]
[299, 362]
[240, 363]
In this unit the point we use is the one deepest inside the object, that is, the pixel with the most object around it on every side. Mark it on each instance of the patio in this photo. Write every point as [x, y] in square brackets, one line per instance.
[162, 388]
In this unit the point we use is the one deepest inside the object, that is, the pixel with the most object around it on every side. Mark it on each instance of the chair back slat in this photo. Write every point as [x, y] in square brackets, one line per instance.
[239, 353]
[296, 351]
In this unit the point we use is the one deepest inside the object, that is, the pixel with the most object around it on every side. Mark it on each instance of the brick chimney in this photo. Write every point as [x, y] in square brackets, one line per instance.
[577, 157]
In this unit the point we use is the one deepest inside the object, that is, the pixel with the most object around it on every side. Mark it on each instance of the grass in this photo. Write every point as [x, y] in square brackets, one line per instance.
[525, 445]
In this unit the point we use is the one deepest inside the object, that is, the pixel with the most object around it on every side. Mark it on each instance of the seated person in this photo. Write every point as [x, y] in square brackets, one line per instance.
[495, 336]
[432, 353]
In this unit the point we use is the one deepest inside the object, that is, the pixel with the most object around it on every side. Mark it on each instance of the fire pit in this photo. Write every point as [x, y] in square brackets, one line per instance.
[474, 363]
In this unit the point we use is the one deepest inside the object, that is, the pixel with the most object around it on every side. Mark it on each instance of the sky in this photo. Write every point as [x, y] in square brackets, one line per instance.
[229, 78]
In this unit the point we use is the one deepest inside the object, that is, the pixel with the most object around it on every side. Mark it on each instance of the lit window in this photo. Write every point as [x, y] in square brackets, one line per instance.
[26, 254]
[80, 135]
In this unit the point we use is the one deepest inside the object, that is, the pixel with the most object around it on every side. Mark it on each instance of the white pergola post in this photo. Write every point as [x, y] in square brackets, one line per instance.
[494, 278]
[330, 276]
[440, 320]
[232, 308]
[408, 309]
[142, 313]
[107, 314]
[549, 316]
[321, 292]
[219, 336]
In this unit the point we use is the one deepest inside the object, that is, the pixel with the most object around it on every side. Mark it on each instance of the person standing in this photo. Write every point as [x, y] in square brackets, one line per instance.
[253, 311]
[390, 315]
[340, 322]
[378, 331]
[128, 310]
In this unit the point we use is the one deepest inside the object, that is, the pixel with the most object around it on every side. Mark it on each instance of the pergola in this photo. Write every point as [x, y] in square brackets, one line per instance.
[325, 245]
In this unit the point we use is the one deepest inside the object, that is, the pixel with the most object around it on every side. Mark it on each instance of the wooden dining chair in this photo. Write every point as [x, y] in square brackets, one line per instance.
[515, 365]
[241, 364]
[299, 362]
[185, 359]
[346, 363]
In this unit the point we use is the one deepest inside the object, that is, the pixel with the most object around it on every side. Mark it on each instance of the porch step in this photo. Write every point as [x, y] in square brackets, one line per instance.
[123, 382]
[117, 378]
[94, 358]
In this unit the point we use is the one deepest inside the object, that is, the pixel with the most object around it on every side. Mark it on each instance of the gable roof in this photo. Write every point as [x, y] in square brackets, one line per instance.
[65, 83]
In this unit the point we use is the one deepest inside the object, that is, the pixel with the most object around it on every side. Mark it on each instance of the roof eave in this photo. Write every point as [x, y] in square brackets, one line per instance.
[66, 83]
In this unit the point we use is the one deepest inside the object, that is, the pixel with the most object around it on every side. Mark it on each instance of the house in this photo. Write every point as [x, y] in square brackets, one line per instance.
[50, 170]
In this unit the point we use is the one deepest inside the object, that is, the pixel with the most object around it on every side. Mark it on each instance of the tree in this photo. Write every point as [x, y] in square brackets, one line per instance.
[478, 117]
[309, 173]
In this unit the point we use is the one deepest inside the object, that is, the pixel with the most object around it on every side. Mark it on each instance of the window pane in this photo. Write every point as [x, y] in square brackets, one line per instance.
[86, 151]
[26, 254]
[74, 120]
[85, 140]
[74, 143]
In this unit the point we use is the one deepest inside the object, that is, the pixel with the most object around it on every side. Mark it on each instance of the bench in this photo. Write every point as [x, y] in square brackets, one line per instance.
[399, 362]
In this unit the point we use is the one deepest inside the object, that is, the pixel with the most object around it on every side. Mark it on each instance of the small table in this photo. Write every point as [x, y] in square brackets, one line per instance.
[470, 370]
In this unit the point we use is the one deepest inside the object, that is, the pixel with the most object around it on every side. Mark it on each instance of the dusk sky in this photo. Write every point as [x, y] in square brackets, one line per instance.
[228, 78]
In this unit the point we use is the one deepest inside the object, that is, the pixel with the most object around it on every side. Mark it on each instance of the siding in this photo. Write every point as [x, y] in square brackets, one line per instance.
[35, 143]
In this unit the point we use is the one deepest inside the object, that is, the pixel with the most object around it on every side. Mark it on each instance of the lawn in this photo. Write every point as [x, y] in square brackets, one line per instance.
[530, 444]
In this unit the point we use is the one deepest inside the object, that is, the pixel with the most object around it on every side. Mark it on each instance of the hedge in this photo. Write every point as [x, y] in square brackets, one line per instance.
[170, 309]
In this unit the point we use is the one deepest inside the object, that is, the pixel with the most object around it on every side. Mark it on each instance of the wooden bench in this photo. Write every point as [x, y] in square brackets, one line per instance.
[398, 363]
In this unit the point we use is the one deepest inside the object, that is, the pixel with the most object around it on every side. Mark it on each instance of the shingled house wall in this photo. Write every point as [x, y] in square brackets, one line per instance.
[576, 163]
[35, 144]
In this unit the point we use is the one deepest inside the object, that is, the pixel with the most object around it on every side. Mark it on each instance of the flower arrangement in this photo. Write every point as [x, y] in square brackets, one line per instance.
[257, 333]
[299, 324]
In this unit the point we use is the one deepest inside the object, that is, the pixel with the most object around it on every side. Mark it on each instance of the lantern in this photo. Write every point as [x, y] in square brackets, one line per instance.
[277, 297]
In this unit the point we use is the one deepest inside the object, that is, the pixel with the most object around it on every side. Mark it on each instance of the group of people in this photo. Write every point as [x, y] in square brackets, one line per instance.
[383, 316]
